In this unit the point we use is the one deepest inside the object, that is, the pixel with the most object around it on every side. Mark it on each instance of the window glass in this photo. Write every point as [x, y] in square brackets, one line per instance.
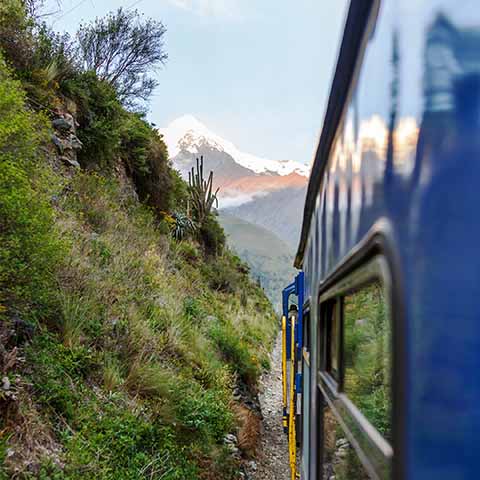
[340, 462]
[333, 339]
[368, 356]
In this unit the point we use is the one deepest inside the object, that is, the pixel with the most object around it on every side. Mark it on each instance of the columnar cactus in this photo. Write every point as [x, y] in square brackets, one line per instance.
[201, 192]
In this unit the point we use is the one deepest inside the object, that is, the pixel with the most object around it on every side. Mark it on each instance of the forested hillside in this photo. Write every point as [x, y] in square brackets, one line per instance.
[131, 339]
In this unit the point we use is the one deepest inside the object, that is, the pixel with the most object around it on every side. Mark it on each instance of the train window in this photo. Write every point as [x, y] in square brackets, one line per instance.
[367, 355]
[306, 330]
[356, 344]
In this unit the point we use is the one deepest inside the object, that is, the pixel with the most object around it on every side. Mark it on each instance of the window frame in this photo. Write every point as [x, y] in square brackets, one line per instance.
[375, 453]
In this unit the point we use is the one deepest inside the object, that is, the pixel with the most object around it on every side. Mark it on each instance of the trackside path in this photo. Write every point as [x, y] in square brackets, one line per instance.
[273, 459]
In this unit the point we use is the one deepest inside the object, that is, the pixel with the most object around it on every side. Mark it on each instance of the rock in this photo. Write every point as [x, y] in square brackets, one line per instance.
[70, 161]
[233, 449]
[62, 124]
[58, 143]
[230, 438]
[341, 453]
[75, 142]
[342, 442]
[6, 384]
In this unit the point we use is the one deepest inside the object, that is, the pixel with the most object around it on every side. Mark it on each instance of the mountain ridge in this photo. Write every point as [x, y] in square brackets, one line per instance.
[187, 133]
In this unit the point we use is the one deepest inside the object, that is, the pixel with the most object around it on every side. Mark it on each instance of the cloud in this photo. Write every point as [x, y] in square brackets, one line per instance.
[232, 198]
[209, 8]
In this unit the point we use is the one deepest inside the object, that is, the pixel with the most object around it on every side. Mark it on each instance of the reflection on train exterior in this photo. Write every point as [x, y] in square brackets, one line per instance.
[388, 359]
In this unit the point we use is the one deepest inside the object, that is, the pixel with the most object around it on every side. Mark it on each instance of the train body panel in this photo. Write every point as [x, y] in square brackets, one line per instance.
[397, 176]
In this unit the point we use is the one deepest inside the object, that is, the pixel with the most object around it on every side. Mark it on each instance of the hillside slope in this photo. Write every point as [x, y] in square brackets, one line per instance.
[131, 340]
[270, 259]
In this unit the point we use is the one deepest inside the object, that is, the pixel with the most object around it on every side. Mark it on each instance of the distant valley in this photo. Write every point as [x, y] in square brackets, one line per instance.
[270, 259]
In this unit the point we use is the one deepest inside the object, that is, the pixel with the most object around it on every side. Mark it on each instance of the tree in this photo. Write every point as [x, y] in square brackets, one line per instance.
[123, 48]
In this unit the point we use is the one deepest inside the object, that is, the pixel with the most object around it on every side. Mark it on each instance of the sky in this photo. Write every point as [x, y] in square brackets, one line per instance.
[256, 72]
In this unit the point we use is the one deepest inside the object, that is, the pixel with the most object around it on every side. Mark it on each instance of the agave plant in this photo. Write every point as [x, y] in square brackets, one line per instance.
[200, 190]
[182, 225]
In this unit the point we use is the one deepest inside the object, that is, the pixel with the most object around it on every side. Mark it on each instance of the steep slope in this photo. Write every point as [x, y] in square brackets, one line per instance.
[270, 259]
[121, 347]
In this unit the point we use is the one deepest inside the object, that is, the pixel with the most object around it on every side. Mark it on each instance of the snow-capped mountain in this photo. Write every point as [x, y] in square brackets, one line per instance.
[188, 135]
[268, 193]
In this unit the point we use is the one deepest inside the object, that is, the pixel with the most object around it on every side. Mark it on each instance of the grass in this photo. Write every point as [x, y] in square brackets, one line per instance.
[132, 341]
[135, 380]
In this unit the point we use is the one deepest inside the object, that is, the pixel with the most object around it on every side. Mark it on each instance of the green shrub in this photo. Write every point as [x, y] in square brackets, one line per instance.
[101, 117]
[113, 442]
[188, 251]
[222, 275]
[212, 236]
[205, 412]
[42, 59]
[54, 368]
[29, 246]
[235, 352]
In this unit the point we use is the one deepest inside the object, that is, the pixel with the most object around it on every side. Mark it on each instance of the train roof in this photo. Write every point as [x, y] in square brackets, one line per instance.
[352, 45]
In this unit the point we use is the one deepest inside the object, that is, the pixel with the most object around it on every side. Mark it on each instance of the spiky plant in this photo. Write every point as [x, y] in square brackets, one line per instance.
[182, 226]
[200, 190]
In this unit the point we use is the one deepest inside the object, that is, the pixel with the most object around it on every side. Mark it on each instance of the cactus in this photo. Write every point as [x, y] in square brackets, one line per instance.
[201, 195]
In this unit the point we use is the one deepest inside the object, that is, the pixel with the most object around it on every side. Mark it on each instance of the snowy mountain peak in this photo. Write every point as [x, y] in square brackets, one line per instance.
[187, 133]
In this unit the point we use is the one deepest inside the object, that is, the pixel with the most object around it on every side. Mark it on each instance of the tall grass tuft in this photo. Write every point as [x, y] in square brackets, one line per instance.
[75, 315]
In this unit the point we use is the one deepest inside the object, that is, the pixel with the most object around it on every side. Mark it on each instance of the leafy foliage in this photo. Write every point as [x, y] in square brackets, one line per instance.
[121, 49]
[28, 244]
[100, 116]
[212, 235]
[42, 59]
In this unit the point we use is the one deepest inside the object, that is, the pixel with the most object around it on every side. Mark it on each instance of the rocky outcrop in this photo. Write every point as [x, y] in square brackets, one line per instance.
[65, 137]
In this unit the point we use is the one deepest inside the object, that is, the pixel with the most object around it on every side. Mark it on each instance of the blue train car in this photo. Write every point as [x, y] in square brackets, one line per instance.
[388, 358]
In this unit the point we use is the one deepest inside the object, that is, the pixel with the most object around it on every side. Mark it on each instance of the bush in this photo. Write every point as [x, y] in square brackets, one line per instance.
[101, 119]
[188, 252]
[29, 246]
[212, 236]
[235, 352]
[205, 412]
[54, 367]
[146, 157]
[222, 275]
[43, 60]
